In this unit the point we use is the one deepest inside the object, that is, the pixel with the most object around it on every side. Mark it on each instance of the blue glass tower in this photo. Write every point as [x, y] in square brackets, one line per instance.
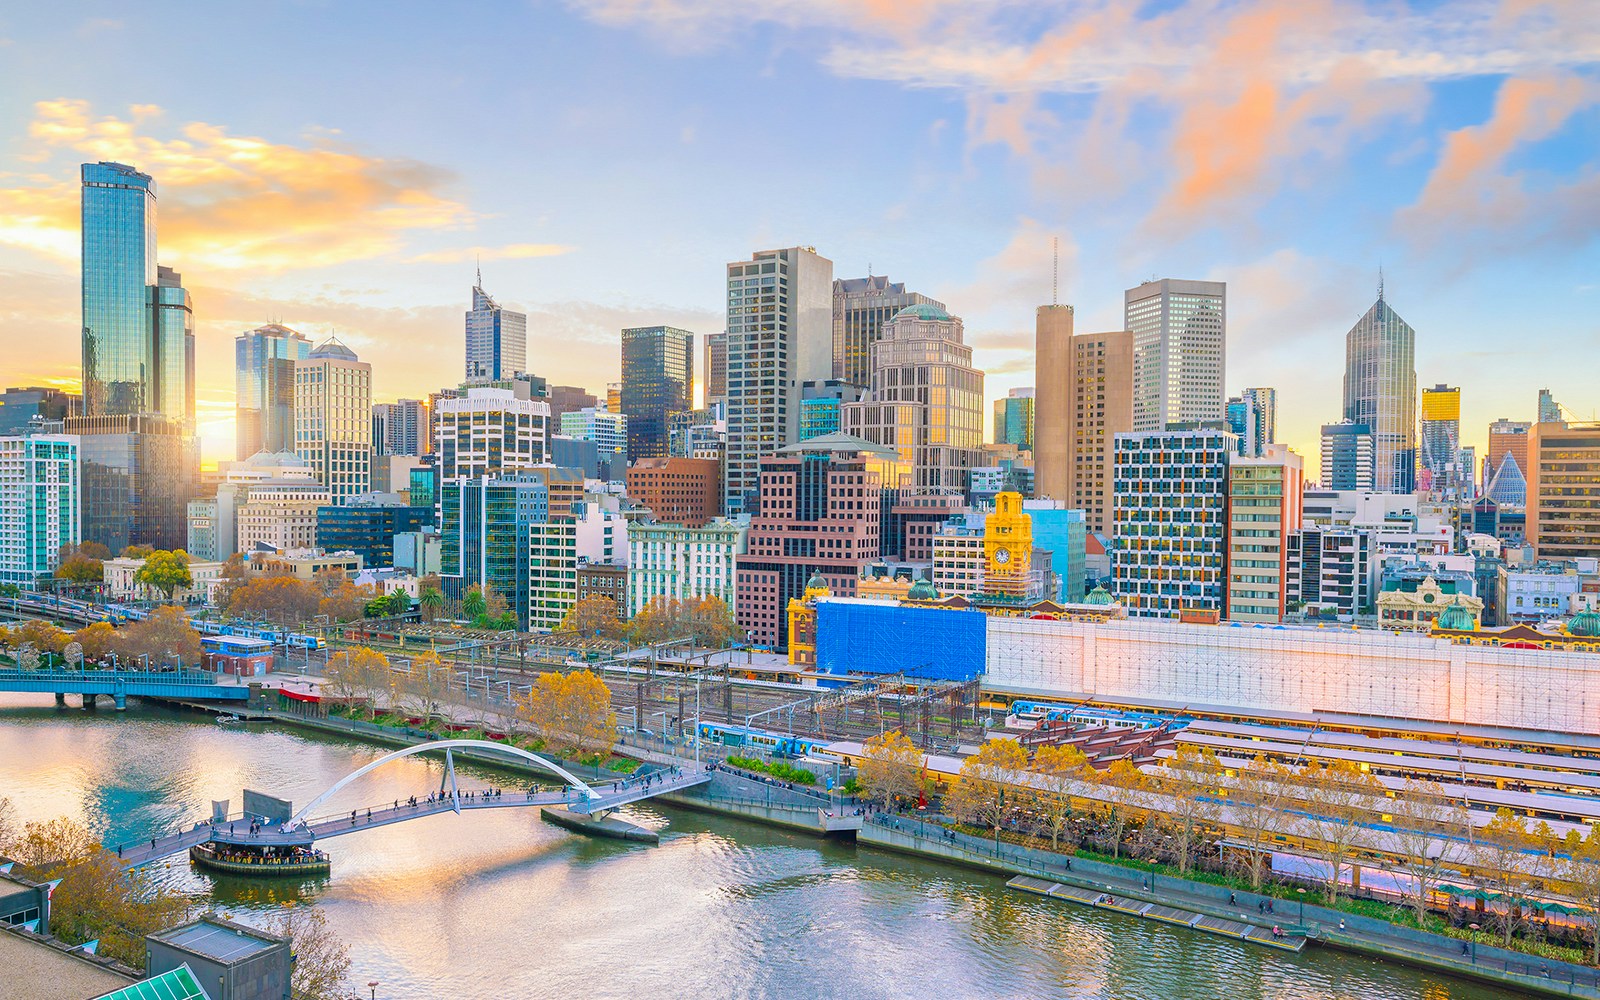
[119, 270]
[264, 388]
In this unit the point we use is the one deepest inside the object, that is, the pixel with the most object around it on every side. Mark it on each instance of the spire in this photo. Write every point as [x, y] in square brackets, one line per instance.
[1055, 270]
[480, 271]
[1380, 282]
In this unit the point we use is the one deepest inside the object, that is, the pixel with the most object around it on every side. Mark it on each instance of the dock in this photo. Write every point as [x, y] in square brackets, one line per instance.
[1174, 915]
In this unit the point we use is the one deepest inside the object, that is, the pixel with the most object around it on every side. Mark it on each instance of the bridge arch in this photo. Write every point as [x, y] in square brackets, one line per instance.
[299, 818]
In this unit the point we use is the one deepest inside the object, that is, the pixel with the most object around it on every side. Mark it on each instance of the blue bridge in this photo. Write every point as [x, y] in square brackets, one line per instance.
[119, 684]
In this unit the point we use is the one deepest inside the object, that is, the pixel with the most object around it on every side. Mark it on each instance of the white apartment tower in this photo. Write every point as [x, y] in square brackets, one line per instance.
[333, 418]
[780, 334]
[490, 432]
[1179, 351]
[40, 502]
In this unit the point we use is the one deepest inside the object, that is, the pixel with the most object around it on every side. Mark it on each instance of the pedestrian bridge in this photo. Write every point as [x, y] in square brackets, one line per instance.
[594, 799]
[184, 685]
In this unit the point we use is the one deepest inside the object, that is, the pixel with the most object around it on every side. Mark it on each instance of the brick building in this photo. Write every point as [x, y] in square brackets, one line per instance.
[686, 491]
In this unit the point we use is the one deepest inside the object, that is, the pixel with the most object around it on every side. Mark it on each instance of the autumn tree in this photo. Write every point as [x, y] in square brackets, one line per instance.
[1499, 852]
[321, 969]
[986, 777]
[346, 602]
[596, 616]
[424, 687]
[1124, 786]
[541, 707]
[97, 639]
[135, 551]
[275, 598]
[1341, 799]
[163, 636]
[165, 571]
[82, 563]
[711, 623]
[592, 723]
[890, 768]
[1059, 772]
[1431, 832]
[1578, 875]
[1256, 796]
[360, 673]
[1189, 782]
[42, 636]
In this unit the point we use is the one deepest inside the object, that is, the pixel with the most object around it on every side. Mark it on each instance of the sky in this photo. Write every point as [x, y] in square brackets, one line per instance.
[343, 168]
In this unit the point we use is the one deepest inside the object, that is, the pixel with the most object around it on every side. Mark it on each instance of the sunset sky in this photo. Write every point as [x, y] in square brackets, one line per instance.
[339, 167]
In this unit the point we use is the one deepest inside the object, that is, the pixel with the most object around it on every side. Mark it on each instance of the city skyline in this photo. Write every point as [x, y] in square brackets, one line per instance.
[247, 213]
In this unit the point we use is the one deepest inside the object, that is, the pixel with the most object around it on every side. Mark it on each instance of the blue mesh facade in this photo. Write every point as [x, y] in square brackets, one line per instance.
[870, 637]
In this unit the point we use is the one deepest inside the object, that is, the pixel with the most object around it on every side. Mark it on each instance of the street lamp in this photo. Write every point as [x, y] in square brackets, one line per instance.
[373, 986]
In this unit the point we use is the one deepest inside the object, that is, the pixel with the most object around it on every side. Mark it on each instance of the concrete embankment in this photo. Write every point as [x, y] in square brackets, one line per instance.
[608, 827]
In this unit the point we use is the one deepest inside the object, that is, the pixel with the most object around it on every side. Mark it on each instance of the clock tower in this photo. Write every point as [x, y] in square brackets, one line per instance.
[1007, 547]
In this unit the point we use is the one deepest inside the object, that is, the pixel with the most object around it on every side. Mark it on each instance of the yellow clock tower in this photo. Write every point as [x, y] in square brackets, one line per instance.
[1007, 547]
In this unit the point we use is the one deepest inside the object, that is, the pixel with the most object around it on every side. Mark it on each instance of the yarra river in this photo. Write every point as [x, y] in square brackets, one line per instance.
[497, 904]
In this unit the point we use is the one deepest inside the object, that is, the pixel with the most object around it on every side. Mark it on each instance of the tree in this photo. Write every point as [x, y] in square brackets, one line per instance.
[588, 712]
[424, 687]
[1578, 875]
[360, 673]
[321, 959]
[431, 596]
[97, 640]
[136, 551]
[1431, 832]
[78, 568]
[1124, 786]
[1255, 797]
[985, 777]
[711, 623]
[474, 605]
[1189, 781]
[42, 636]
[275, 598]
[891, 768]
[1340, 799]
[1498, 855]
[1061, 771]
[164, 571]
[346, 602]
[232, 576]
[165, 635]
[540, 708]
[595, 616]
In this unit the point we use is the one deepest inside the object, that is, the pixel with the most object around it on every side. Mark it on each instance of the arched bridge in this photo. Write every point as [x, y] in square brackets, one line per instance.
[595, 799]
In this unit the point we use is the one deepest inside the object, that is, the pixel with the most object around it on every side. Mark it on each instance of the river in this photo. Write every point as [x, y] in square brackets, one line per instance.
[496, 904]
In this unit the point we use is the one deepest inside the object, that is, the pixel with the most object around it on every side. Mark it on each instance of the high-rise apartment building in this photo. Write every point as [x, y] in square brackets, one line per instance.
[490, 432]
[1564, 490]
[861, 308]
[716, 374]
[1170, 531]
[1507, 437]
[1346, 456]
[1380, 392]
[1253, 419]
[1179, 332]
[497, 338]
[1264, 505]
[333, 418]
[926, 399]
[657, 380]
[39, 501]
[780, 335]
[264, 360]
[1441, 441]
[1084, 399]
[405, 424]
[1014, 419]
[140, 458]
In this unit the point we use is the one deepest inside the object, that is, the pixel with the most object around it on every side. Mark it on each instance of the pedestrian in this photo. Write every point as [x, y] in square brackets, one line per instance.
[1232, 900]
[1341, 924]
[119, 850]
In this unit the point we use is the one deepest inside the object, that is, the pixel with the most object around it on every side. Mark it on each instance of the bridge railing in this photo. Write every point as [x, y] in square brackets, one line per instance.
[188, 677]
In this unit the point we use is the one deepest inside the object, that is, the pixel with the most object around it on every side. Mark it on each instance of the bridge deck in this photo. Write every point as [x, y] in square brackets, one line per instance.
[612, 796]
[152, 684]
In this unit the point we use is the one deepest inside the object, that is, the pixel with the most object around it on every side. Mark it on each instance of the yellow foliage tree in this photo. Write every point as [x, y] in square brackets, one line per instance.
[596, 616]
[891, 768]
[1060, 771]
[987, 777]
[97, 640]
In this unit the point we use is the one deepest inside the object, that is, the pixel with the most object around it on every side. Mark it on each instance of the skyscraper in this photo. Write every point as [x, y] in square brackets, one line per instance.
[39, 501]
[405, 427]
[1563, 503]
[1506, 437]
[1052, 409]
[1014, 419]
[1264, 506]
[490, 431]
[657, 379]
[264, 361]
[780, 334]
[1083, 399]
[926, 399]
[1441, 440]
[137, 427]
[333, 418]
[1253, 419]
[861, 307]
[1380, 392]
[1179, 351]
[716, 374]
[1346, 456]
[497, 338]
[1549, 409]
[1171, 511]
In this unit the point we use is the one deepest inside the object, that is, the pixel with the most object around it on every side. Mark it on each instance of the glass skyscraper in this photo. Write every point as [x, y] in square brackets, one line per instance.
[119, 270]
[657, 379]
[264, 388]
[861, 307]
[497, 338]
[1380, 392]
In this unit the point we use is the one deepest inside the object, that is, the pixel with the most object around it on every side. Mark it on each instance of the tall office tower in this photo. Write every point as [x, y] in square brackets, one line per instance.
[1265, 401]
[333, 418]
[401, 427]
[716, 374]
[657, 379]
[1346, 456]
[1380, 391]
[861, 307]
[264, 360]
[39, 501]
[1506, 437]
[497, 338]
[1563, 501]
[1441, 440]
[780, 335]
[1170, 516]
[614, 397]
[1179, 351]
[1083, 400]
[486, 529]
[926, 399]
[140, 458]
[1053, 413]
[490, 432]
[1549, 409]
[1013, 419]
[1264, 505]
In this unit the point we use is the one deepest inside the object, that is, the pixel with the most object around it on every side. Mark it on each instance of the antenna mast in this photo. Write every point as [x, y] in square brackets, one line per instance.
[1055, 270]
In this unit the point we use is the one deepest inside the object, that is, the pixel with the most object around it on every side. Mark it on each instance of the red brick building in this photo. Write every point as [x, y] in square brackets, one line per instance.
[686, 491]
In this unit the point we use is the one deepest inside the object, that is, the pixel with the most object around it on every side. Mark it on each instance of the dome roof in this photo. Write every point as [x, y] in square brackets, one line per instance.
[816, 582]
[1457, 618]
[276, 460]
[1586, 624]
[332, 348]
[922, 590]
[921, 312]
[1099, 595]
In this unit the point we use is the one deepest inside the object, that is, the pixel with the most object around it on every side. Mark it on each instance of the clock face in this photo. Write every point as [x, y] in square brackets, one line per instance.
[1002, 556]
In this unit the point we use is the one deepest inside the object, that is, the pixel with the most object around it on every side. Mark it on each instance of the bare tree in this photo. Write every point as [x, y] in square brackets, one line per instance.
[1256, 796]
[1189, 781]
[1431, 831]
[1340, 800]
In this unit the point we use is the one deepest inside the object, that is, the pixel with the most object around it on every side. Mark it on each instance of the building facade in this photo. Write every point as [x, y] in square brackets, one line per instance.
[485, 532]
[40, 502]
[496, 338]
[861, 308]
[657, 380]
[1440, 454]
[715, 379]
[1563, 495]
[1170, 521]
[406, 427]
[679, 563]
[1347, 456]
[280, 517]
[1014, 419]
[780, 335]
[1253, 419]
[264, 360]
[1264, 508]
[367, 527]
[686, 491]
[1179, 332]
[490, 432]
[1380, 393]
[608, 430]
[333, 418]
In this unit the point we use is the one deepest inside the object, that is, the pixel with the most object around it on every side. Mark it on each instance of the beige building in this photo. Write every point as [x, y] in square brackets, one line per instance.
[304, 564]
[280, 517]
[1563, 495]
[119, 574]
[1264, 508]
[1416, 609]
[490, 431]
[1083, 399]
[958, 557]
[333, 419]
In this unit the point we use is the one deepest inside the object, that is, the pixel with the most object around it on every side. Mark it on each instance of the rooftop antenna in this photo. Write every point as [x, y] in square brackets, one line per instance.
[480, 272]
[869, 268]
[1055, 270]
[1380, 282]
